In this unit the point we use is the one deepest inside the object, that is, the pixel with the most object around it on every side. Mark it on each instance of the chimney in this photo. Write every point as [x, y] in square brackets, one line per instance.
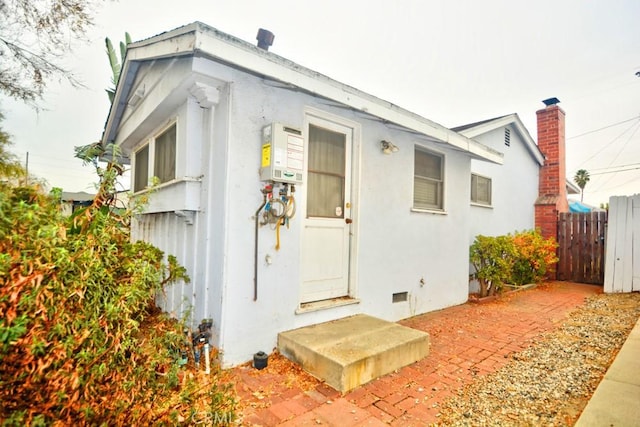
[552, 187]
[265, 38]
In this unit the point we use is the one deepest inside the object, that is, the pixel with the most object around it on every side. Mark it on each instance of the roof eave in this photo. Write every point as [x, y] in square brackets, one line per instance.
[511, 119]
[179, 42]
[198, 37]
[572, 188]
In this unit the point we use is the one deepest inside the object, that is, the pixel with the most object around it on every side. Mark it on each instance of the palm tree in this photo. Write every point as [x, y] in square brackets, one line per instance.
[581, 178]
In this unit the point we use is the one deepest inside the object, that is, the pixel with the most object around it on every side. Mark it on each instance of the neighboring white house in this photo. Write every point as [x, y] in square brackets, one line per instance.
[382, 196]
[503, 196]
[71, 201]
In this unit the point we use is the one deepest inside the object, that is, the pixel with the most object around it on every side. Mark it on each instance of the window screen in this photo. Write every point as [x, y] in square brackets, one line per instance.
[165, 155]
[326, 178]
[428, 180]
[480, 189]
[141, 173]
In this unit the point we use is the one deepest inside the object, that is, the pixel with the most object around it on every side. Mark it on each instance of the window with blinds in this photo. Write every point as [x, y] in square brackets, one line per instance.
[480, 189]
[428, 180]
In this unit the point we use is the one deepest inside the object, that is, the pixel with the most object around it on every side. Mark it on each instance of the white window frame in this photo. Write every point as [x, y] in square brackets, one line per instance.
[477, 201]
[150, 143]
[440, 207]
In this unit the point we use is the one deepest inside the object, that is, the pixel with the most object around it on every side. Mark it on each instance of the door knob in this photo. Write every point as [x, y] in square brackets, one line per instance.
[348, 220]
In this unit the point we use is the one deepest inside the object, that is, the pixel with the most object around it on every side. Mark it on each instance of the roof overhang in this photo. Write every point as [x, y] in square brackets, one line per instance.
[572, 188]
[472, 131]
[198, 39]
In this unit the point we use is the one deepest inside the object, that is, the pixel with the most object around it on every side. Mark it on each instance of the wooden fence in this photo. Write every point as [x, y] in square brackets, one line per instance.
[581, 240]
[623, 245]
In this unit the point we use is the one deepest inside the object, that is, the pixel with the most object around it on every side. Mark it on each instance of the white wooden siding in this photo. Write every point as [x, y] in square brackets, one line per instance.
[173, 235]
[622, 257]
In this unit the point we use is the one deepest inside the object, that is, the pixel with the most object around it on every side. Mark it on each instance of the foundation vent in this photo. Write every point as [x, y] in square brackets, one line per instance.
[400, 297]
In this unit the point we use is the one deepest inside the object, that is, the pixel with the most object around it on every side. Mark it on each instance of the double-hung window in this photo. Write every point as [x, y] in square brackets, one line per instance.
[480, 190]
[428, 180]
[163, 163]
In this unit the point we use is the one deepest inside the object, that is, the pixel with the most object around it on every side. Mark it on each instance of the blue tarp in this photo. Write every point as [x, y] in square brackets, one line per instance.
[578, 207]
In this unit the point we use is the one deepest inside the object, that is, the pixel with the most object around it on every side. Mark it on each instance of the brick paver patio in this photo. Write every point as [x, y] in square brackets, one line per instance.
[467, 341]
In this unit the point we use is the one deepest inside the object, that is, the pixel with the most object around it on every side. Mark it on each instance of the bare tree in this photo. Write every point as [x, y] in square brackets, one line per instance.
[10, 167]
[34, 37]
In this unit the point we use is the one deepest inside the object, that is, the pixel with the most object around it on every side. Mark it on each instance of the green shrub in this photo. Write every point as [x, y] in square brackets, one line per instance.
[535, 257]
[81, 342]
[492, 259]
[518, 259]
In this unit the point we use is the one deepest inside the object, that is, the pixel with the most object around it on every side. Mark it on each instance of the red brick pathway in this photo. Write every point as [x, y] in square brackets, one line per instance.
[467, 341]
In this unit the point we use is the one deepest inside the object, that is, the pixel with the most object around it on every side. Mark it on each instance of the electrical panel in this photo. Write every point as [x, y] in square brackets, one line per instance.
[282, 154]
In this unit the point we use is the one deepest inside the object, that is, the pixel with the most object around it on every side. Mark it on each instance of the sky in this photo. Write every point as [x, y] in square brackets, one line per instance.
[451, 61]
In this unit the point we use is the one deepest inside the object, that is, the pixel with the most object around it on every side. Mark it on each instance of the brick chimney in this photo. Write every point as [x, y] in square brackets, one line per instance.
[552, 187]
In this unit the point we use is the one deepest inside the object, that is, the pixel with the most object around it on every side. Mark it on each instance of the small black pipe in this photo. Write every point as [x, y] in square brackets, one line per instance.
[255, 256]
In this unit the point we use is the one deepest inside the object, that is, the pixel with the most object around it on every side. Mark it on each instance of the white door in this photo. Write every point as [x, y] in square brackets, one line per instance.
[326, 238]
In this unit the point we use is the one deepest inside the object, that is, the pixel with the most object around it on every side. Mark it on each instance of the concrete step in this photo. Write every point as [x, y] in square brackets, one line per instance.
[352, 351]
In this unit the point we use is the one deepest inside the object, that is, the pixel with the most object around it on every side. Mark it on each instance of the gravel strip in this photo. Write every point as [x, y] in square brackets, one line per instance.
[549, 383]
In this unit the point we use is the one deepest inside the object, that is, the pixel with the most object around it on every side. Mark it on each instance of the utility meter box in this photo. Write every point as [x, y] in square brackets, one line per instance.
[282, 154]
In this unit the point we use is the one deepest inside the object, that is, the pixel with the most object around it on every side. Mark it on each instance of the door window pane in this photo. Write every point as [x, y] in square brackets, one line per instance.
[326, 178]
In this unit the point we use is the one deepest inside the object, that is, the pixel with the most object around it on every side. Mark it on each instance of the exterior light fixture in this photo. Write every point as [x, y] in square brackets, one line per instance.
[388, 147]
[136, 97]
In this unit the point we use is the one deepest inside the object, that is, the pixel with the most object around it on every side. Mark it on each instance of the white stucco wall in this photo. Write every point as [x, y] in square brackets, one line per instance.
[514, 188]
[396, 247]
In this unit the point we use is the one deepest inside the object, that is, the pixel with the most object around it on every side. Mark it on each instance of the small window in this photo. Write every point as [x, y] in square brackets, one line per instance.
[480, 189]
[428, 180]
[141, 169]
[165, 155]
[157, 158]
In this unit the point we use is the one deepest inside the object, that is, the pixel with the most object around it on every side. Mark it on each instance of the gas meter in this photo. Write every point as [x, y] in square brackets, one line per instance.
[282, 154]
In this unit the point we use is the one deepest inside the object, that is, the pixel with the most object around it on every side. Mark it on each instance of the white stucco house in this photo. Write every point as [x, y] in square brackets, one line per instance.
[71, 201]
[502, 196]
[368, 206]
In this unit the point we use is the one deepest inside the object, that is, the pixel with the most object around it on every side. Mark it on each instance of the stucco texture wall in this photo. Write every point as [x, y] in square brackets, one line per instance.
[514, 188]
[397, 247]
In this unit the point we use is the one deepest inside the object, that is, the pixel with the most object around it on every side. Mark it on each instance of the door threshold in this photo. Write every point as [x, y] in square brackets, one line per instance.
[307, 307]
